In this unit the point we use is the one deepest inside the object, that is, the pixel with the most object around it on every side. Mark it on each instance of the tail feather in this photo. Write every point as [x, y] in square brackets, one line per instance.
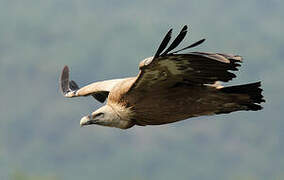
[253, 91]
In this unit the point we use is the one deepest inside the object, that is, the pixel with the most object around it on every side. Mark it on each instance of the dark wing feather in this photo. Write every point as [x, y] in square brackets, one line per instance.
[177, 40]
[164, 43]
[191, 46]
[66, 85]
[64, 80]
[195, 68]
[73, 85]
[101, 96]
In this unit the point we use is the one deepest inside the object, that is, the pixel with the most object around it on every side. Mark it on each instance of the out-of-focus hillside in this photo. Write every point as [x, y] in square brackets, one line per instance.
[39, 129]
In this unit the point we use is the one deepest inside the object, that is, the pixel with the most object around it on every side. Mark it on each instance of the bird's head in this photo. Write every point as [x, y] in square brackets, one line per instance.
[104, 116]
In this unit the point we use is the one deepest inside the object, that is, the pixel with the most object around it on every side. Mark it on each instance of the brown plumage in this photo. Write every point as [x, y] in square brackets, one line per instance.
[169, 87]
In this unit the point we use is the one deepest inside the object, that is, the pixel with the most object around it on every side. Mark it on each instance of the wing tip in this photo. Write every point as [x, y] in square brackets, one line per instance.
[179, 38]
[164, 43]
[175, 43]
[68, 88]
[65, 70]
[185, 27]
[64, 79]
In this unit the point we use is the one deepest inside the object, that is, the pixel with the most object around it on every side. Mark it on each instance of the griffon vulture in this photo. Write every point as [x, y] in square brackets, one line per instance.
[169, 87]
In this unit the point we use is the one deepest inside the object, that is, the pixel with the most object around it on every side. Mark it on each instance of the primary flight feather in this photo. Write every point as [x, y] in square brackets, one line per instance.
[169, 87]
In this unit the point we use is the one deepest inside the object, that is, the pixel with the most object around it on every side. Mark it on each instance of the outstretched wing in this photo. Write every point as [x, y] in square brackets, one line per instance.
[99, 90]
[167, 69]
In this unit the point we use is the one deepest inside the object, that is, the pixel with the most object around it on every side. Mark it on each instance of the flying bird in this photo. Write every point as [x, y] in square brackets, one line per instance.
[170, 87]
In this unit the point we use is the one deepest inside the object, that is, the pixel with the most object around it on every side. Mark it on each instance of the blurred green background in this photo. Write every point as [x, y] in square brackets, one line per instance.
[40, 137]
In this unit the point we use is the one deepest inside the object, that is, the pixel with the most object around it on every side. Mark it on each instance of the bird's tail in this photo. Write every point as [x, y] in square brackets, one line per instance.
[245, 97]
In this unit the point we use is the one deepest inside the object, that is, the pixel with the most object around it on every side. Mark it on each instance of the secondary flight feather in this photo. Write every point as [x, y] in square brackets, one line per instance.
[169, 87]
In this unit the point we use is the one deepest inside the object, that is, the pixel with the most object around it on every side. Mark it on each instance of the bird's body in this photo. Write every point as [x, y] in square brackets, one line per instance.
[169, 87]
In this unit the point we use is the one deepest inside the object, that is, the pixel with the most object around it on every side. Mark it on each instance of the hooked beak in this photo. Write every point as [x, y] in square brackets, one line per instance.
[86, 120]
